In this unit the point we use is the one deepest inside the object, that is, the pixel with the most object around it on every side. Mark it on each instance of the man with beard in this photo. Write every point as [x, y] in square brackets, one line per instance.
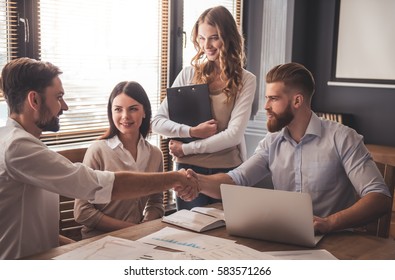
[303, 153]
[32, 176]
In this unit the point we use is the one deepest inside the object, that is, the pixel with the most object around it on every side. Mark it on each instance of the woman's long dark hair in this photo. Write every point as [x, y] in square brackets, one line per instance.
[137, 92]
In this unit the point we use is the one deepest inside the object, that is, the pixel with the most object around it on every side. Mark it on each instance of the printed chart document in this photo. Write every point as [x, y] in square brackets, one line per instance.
[114, 248]
[233, 252]
[194, 246]
[184, 240]
[198, 219]
[203, 246]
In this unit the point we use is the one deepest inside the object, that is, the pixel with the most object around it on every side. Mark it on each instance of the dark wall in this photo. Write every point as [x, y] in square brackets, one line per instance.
[372, 109]
[252, 26]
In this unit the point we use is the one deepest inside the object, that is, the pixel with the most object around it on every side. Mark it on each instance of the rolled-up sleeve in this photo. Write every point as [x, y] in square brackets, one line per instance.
[103, 195]
[29, 161]
[254, 169]
[359, 165]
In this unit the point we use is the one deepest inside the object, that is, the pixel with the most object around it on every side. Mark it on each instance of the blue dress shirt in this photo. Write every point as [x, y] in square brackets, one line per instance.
[331, 163]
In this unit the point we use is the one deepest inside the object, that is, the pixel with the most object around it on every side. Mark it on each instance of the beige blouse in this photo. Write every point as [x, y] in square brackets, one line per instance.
[110, 155]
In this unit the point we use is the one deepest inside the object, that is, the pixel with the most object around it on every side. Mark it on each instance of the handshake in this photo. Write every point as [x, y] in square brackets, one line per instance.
[188, 186]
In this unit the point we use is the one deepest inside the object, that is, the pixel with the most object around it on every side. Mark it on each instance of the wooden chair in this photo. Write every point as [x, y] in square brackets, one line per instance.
[384, 158]
[331, 116]
[68, 227]
[337, 117]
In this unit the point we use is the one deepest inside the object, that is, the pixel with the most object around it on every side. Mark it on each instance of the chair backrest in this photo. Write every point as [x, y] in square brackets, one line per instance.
[381, 226]
[67, 225]
[342, 118]
[331, 116]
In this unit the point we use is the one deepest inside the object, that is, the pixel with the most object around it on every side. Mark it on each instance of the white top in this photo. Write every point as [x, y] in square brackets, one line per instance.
[31, 177]
[232, 136]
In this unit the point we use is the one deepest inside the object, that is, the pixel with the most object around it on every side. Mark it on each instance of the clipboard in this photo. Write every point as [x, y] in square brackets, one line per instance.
[189, 105]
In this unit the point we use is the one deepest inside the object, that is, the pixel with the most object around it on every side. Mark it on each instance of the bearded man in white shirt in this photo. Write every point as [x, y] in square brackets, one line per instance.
[32, 176]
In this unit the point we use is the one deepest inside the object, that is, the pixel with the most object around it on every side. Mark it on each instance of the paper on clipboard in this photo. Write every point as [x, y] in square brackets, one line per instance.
[189, 105]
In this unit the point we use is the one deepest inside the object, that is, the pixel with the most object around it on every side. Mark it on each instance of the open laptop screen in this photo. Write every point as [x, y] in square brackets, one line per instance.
[267, 214]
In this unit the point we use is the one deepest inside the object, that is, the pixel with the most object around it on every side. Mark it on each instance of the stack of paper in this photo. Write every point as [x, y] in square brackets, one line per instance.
[190, 245]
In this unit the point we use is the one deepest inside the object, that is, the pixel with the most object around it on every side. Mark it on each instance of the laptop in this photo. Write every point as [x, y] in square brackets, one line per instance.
[267, 214]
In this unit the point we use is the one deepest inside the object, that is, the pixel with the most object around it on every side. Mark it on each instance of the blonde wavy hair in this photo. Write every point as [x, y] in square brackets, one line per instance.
[231, 56]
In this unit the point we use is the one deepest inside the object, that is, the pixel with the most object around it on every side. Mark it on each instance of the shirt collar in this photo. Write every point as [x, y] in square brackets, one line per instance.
[313, 129]
[114, 142]
[13, 123]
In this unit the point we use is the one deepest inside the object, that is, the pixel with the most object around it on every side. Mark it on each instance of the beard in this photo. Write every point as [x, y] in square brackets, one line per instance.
[279, 121]
[46, 121]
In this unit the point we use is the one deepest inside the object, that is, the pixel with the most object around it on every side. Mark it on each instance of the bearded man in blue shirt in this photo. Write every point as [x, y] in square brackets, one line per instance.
[303, 153]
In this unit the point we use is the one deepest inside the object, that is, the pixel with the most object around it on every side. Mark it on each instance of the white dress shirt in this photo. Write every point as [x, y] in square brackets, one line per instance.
[31, 179]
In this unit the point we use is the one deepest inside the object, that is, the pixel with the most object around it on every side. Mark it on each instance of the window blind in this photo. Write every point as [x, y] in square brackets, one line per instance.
[98, 43]
[8, 34]
[167, 159]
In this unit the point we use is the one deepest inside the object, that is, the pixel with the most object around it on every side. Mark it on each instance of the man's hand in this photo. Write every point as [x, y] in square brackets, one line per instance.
[205, 129]
[190, 189]
[175, 148]
[321, 225]
[192, 174]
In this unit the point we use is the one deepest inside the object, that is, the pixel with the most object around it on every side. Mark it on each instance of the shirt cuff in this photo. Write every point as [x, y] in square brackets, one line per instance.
[235, 177]
[186, 149]
[106, 182]
[184, 131]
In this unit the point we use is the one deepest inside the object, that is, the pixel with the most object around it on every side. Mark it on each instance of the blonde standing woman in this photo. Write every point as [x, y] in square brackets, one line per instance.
[219, 63]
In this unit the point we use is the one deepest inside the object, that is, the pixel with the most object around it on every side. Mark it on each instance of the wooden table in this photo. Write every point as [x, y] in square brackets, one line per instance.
[343, 245]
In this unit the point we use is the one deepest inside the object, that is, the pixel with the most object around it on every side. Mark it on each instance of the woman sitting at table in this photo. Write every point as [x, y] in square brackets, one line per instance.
[123, 148]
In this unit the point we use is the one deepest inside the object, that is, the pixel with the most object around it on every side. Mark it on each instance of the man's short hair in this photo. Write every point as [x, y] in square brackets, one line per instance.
[294, 76]
[22, 75]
